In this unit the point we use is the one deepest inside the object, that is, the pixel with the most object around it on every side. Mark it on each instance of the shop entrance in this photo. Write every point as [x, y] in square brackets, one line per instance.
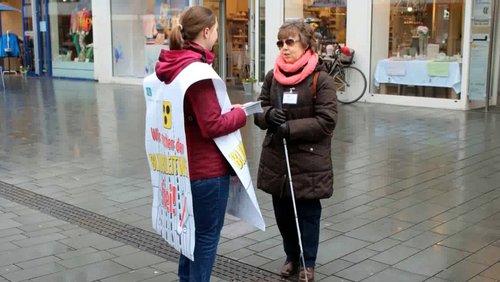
[482, 63]
[11, 43]
[58, 36]
[36, 37]
[233, 47]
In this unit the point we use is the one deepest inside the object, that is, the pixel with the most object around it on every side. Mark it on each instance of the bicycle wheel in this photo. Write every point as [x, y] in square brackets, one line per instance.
[350, 83]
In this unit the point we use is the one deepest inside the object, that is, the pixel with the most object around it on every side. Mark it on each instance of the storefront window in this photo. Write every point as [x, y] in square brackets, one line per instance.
[71, 38]
[328, 17]
[233, 24]
[417, 47]
[140, 31]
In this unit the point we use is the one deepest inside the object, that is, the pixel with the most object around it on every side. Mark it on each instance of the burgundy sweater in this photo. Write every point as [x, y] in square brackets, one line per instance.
[202, 113]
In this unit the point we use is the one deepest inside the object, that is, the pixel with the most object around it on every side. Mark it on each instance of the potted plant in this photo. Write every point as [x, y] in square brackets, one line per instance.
[248, 84]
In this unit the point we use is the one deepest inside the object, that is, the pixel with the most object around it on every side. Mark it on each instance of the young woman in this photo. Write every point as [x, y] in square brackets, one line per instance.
[191, 41]
[300, 104]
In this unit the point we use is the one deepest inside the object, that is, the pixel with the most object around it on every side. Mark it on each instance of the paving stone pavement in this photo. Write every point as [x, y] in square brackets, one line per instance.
[417, 191]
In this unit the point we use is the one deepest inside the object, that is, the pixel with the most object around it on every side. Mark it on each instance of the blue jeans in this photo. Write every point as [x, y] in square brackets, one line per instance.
[209, 206]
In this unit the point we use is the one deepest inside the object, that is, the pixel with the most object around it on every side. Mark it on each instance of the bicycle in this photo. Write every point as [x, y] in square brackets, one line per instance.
[350, 81]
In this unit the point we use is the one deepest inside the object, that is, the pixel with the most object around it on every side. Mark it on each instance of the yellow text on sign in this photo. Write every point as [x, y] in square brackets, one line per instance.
[238, 156]
[170, 165]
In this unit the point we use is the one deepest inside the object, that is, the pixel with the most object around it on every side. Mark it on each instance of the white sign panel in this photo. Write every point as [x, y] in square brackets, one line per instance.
[43, 26]
[478, 66]
[482, 13]
[172, 212]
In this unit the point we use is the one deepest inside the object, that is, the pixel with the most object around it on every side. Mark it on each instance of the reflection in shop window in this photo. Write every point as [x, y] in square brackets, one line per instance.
[140, 30]
[416, 47]
[328, 17]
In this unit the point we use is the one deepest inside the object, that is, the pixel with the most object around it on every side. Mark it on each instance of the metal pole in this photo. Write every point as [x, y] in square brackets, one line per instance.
[37, 39]
[222, 40]
[489, 85]
[48, 45]
[251, 36]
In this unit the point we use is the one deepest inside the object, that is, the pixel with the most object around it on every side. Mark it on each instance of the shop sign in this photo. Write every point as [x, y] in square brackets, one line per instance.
[43, 26]
[482, 13]
[329, 3]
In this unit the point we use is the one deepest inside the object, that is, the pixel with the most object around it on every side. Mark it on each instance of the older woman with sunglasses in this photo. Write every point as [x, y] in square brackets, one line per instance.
[300, 105]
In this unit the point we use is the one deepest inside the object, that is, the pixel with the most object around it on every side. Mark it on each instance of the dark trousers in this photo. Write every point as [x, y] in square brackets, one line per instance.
[309, 215]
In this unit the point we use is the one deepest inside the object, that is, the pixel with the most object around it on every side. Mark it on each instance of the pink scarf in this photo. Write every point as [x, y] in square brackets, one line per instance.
[308, 59]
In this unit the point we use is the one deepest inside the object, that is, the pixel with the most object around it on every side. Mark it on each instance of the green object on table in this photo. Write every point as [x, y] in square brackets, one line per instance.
[438, 68]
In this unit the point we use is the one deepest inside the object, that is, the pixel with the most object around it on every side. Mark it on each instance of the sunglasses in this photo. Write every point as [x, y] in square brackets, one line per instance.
[289, 42]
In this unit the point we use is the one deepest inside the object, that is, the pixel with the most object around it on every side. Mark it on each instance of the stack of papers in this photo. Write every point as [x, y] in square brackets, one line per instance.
[251, 108]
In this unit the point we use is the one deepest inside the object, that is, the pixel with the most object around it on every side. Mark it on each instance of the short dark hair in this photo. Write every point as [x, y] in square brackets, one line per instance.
[304, 30]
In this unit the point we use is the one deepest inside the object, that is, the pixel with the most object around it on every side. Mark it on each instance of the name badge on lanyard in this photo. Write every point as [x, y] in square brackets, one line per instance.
[290, 97]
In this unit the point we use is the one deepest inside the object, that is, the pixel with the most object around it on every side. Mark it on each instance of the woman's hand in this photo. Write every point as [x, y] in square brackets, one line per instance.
[237, 106]
[283, 130]
[276, 116]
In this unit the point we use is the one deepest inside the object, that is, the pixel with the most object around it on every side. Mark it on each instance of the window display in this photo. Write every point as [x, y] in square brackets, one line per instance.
[148, 25]
[71, 31]
[235, 30]
[237, 46]
[422, 36]
[71, 38]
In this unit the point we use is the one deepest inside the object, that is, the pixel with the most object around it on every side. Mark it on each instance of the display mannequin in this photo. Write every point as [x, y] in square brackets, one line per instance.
[9, 47]
[73, 30]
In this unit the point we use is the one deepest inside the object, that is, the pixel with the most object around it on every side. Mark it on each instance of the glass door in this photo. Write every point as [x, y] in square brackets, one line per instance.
[237, 44]
[219, 8]
[233, 48]
[30, 37]
[481, 47]
[44, 60]
[36, 35]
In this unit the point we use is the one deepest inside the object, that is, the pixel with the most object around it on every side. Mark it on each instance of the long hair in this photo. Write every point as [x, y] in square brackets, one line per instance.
[191, 23]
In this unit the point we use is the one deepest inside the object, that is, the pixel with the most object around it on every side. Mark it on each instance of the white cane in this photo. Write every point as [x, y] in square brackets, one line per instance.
[295, 209]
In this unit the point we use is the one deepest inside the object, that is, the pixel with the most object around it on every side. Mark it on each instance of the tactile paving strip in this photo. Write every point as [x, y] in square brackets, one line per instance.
[225, 268]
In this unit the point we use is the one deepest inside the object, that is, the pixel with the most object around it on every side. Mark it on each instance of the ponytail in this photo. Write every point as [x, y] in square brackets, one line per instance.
[191, 23]
[175, 40]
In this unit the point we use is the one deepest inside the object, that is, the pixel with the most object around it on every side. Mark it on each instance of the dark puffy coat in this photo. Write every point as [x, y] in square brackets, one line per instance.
[311, 122]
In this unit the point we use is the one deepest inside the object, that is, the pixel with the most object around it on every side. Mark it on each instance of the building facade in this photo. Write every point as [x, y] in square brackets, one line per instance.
[429, 53]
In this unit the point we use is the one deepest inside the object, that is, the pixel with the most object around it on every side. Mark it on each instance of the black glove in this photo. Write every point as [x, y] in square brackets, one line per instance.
[276, 116]
[283, 131]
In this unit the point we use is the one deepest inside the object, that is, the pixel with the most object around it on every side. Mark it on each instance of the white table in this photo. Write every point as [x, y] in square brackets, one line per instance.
[414, 72]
